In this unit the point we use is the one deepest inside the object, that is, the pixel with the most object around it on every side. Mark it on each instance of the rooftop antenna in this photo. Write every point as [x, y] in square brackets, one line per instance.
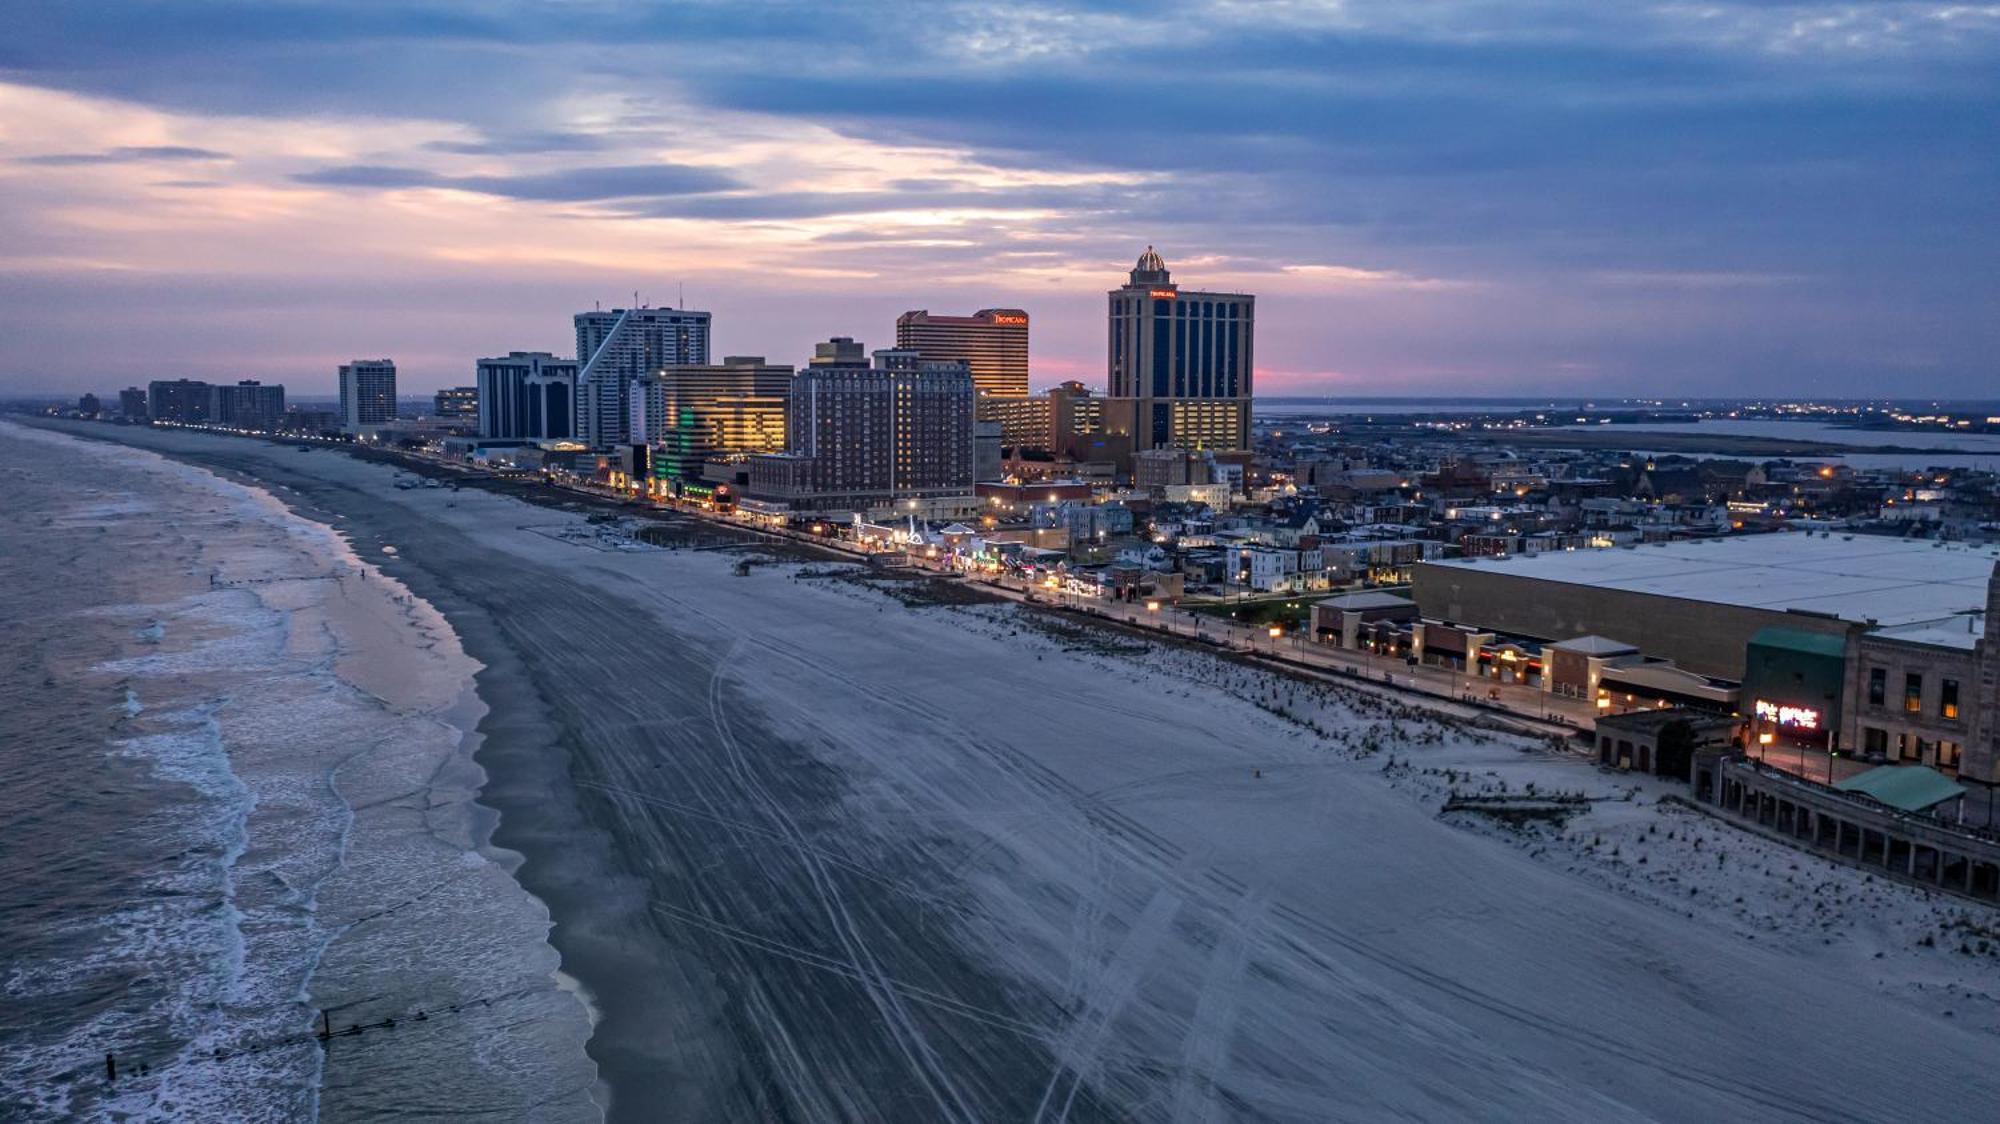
[635, 299]
[684, 295]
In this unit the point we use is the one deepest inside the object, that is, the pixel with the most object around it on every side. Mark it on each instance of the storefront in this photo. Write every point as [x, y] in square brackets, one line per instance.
[1792, 685]
[1511, 661]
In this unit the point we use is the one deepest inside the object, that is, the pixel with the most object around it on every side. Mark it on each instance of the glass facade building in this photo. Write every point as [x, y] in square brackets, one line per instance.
[527, 395]
[1180, 363]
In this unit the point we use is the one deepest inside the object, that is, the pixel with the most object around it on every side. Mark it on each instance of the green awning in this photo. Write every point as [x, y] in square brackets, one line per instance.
[1799, 640]
[1907, 788]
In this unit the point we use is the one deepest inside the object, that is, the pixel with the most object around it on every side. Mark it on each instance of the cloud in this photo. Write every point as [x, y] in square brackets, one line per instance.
[573, 185]
[522, 144]
[820, 204]
[1674, 194]
[371, 175]
[1692, 279]
[129, 154]
[1352, 277]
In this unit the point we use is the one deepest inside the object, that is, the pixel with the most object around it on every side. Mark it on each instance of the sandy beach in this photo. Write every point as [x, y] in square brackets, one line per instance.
[815, 853]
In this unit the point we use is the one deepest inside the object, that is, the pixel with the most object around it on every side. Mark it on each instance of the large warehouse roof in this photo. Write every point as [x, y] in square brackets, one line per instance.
[1856, 578]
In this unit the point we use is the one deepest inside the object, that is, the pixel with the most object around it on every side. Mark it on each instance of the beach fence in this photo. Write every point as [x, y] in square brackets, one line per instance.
[141, 1060]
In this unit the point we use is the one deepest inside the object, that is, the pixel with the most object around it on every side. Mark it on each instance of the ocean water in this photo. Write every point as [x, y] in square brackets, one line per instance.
[213, 828]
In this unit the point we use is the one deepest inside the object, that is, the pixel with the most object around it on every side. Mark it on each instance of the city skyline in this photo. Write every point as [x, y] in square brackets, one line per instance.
[1742, 198]
[1279, 560]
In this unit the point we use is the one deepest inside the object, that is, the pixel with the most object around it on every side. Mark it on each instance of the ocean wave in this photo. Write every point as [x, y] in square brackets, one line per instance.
[279, 839]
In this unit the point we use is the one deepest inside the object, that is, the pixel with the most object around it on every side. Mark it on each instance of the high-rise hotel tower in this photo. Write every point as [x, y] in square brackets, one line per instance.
[1180, 363]
[861, 437]
[613, 348]
[367, 395]
[993, 344]
[690, 412]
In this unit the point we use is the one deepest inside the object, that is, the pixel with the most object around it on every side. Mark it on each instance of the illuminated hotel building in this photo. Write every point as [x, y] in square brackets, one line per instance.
[183, 401]
[691, 412]
[1073, 413]
[1051, 421]
[459, 403]
[1179, 362]
[248, 404]
[861, 436]
[1023, 422]
[367, 395]
[617, 346]
[993, 344]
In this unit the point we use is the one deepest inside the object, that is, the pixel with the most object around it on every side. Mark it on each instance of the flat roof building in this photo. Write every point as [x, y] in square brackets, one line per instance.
[1928, 693]
[367, 395]
[860, 436]
[993, 343]
[183, 401]
[692, 412]
[525, 395]
[460, 403]
[248, 404]
[1699, 602]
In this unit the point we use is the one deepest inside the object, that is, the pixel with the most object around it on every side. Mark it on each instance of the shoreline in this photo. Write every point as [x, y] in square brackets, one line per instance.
[1064, 839]
[467, 716]
[414, 832]
[457, 773]
[536, 837]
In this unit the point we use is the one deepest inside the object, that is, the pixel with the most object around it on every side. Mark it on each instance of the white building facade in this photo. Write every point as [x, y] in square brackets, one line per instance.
[367, 394]
[615, 347]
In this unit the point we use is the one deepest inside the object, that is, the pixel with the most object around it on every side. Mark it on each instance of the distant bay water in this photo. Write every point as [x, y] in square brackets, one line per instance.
[1973, 450]
[1968, 450]
[1274, 408]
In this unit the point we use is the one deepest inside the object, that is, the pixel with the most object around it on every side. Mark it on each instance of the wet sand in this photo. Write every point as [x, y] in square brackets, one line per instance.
[584, 686]
[820, 856]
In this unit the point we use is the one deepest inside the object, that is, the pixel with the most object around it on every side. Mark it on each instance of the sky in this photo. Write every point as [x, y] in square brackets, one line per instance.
[1730, 197]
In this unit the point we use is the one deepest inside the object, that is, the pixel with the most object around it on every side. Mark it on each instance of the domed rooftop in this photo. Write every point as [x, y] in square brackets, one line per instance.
[1151, 270]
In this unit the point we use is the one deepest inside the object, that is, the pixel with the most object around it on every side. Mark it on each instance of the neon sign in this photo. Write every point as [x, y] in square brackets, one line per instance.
[1010, 319]
[1164, 294]
[1795, 717]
